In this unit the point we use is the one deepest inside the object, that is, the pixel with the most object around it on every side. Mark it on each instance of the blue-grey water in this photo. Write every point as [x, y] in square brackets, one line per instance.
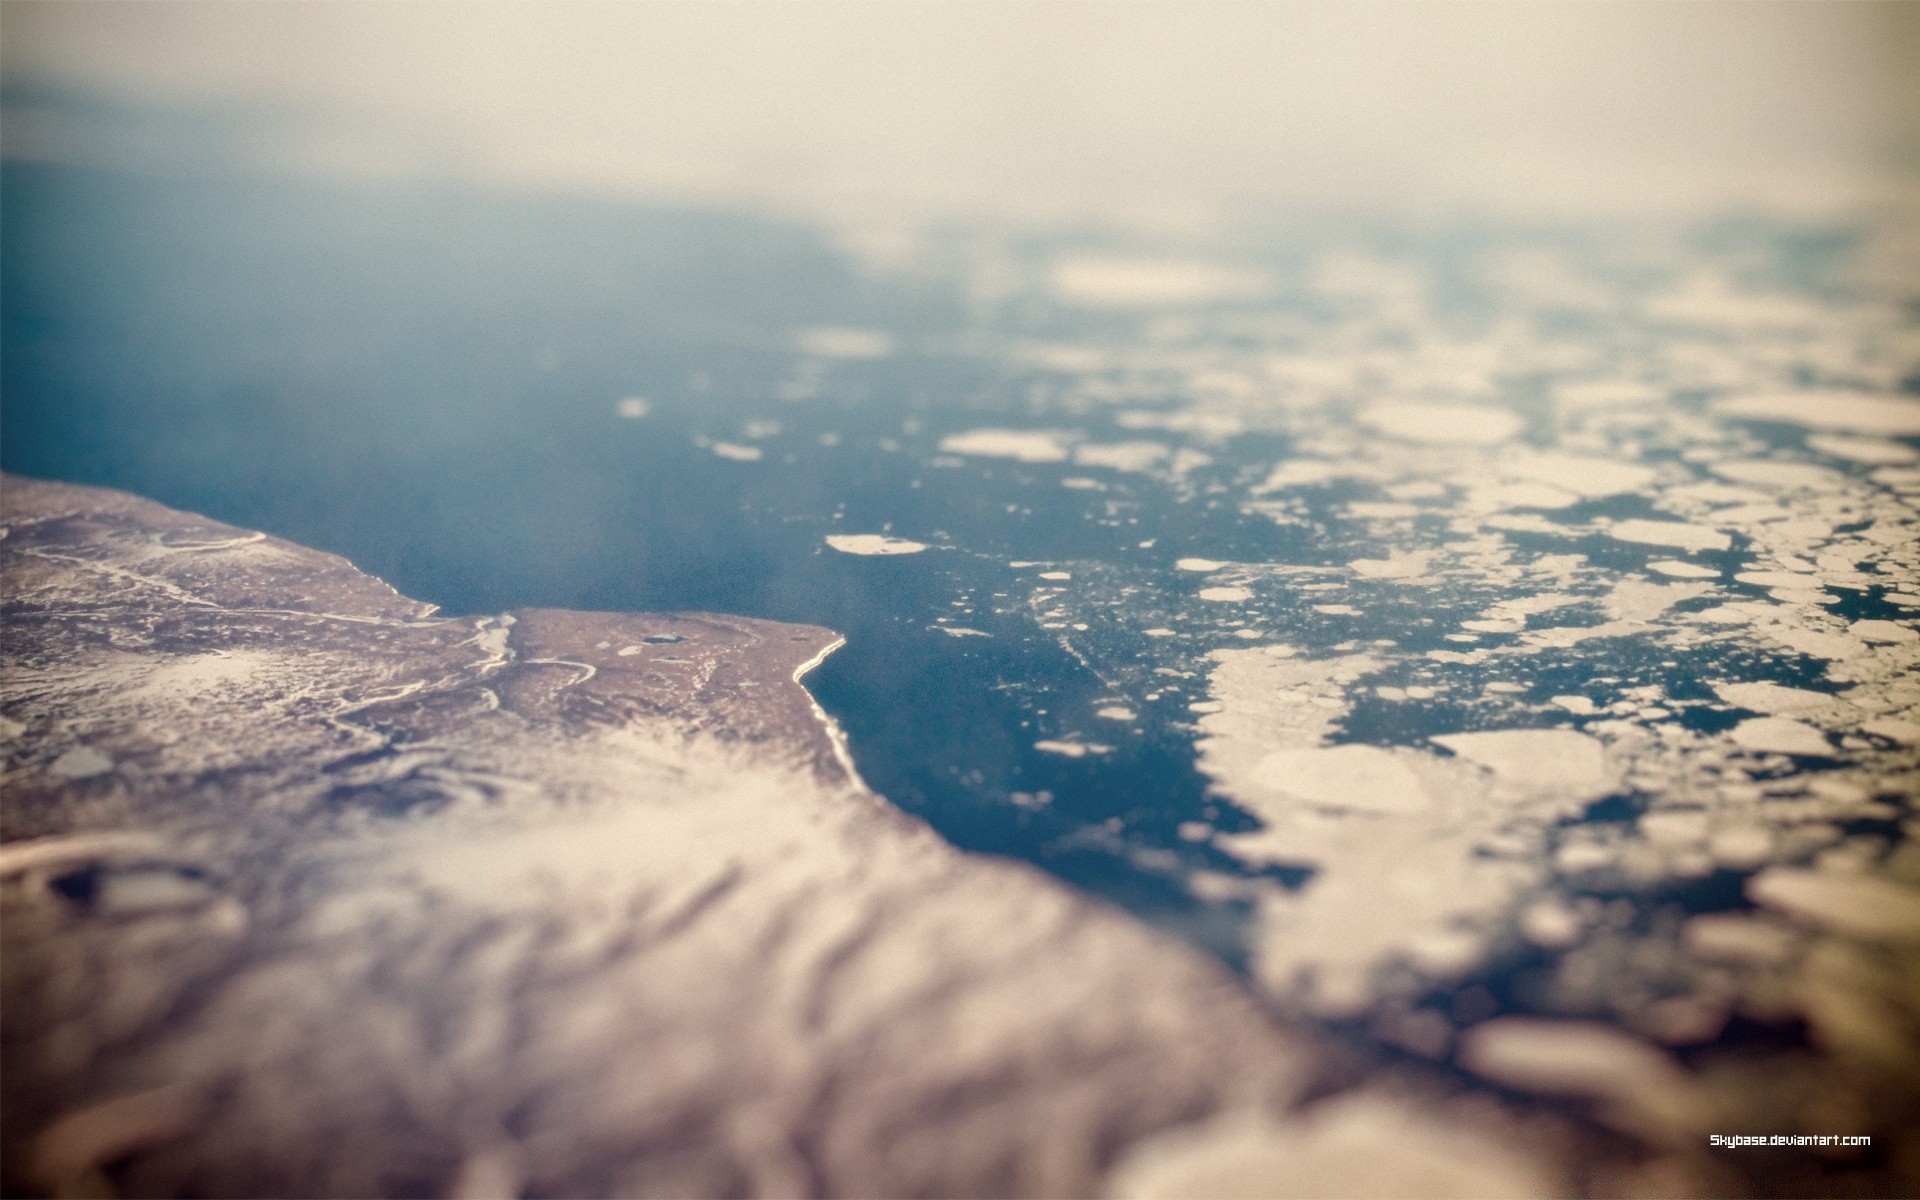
[427, 379]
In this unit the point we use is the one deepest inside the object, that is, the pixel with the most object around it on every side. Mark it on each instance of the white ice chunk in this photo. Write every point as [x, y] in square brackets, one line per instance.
[1677, 534]
[1873, 452]
[1886, 632]
[837, 342]
[1117, 282]
[1771, 698]
[1841, 411]
[1675, 569]
[1122, 456]
[1443, 424]
[1585, 1059]
[1368, 778]
[1860, 906]
[1023, 445]
[1780, 735]
[81, 762]
[1781, 476]
[873, 543]
[1547, 759]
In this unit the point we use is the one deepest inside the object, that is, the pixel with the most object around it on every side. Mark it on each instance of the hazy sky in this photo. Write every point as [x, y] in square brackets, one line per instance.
[1106, 109]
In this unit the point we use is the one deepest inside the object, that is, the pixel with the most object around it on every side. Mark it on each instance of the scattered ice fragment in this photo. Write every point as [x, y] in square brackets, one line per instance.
[1442, 424]
[1187, 459]
[1385, 510]
[1115, 712]
[1841, 411]
[1874, 452]
[1217, 425]
[736, 452]
[1122, 456]
[633, 407]
[1550, 924]
[1858, 906]
[1590, 477]
[1033, 446]
[1737, 937]
[1056, 575]
[1158, 632]
[1337, 610]
[1741, 847]
[1673, 828]
[1071, 749]
[1607, 394]
[1771, 697]
[837, 342]
[1397, 565]
[1638, 600]
[1111, 281]
[1225, 594]
[872, 543]
[1813, 641]
[1787, 476]
[962, 631]
[1781, 735]
[1523, 495]
[1575, 857]
[1894, 729]
[1367, 778]
[81, 762]
[1358, 1144]
[1886, 632]
[1578, 1058]
[1548, 759]
[1446, 953]
[1301, 472]
[1675, 569]
[1677, 534]
[1577, 705]
[1199, 564]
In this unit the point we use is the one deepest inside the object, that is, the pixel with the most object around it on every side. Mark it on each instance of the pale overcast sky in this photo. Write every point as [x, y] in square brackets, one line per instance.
[1104, 109]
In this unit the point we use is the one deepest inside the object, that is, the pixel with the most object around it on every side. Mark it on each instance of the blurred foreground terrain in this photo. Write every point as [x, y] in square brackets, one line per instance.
[716, 661]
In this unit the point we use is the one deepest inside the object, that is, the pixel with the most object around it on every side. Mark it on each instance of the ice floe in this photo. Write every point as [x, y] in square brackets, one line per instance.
[1677, 534]
[1443, 424]
[1840, 411]
[873, 544]
[1031, 446]
[1112, 281]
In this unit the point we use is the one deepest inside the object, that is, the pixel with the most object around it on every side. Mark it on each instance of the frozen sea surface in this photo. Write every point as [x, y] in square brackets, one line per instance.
[1497, 643]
